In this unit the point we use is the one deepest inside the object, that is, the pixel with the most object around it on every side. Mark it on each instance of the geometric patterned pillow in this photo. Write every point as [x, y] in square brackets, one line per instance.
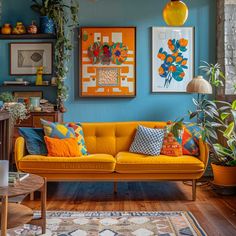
[79, 134]
[62, 131]
[147, 141]
[172, 146]
[191, 135]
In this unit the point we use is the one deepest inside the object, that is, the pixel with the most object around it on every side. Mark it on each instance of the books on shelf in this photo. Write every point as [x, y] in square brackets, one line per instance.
[15, 177]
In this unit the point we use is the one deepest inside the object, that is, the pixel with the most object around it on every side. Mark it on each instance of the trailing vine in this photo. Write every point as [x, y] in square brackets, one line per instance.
[65, 17]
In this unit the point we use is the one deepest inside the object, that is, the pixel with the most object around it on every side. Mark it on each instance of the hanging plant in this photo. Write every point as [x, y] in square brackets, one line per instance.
[65, 17]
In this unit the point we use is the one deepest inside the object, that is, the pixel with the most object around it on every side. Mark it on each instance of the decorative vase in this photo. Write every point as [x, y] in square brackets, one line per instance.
[4, 172]
[34, 102]
[19, 29]
[6, 29]
[39, 76]
[32, 29]
[224, 175]
[175, 13]
[46, 25]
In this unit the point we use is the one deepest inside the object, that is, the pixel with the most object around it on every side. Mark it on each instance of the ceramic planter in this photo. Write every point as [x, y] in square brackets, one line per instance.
[224, 175]
[46, 25]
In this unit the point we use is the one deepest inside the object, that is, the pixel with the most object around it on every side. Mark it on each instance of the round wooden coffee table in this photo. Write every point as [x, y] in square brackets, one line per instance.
[14, 214]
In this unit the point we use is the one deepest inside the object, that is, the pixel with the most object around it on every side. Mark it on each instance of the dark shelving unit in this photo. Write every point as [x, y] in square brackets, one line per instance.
[26, 36]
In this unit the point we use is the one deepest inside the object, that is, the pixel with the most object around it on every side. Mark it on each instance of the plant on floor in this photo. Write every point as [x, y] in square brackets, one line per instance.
[65, 17]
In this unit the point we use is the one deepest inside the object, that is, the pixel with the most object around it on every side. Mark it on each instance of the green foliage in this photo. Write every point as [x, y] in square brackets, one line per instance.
[6, 97]
[222, 119]
[214, 73]
[65, 17]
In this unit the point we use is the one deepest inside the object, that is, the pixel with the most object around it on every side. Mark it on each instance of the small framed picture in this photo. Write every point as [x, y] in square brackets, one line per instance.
[20, 96]
[25, 57]
[172, 58]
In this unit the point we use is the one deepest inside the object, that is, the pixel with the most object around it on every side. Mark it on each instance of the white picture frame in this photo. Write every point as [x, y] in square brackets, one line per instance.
[170, 73]
[25, 57]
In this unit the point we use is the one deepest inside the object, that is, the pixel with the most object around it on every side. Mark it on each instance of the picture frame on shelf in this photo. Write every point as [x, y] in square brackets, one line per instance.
[172, 58]
[21, 96]
[25, 57]
[107, 62]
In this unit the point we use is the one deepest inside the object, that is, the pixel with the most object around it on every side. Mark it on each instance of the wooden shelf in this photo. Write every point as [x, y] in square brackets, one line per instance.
[26, 36]
[26, 86]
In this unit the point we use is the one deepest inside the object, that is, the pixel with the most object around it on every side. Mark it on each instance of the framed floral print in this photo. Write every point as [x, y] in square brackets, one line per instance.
[172, 58]
[107, 61]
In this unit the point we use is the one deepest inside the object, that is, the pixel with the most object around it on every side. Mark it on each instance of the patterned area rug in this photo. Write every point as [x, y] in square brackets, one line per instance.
[115, 224]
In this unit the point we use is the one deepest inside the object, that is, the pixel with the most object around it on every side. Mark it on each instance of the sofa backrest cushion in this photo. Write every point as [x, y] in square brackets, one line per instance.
[113, 137]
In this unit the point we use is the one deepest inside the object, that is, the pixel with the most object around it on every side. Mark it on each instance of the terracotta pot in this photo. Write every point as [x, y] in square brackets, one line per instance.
[224, 175]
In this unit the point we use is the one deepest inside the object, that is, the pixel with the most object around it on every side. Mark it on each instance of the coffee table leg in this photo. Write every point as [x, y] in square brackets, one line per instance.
[4, 216]
[43, 205]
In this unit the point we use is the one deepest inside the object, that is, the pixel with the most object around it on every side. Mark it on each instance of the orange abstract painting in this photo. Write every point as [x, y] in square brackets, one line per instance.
[108, 61]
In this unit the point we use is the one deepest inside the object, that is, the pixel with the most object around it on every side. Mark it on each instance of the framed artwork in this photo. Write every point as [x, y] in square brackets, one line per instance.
[172, 58]
[26, 57]
[107, 61]
[20, 96]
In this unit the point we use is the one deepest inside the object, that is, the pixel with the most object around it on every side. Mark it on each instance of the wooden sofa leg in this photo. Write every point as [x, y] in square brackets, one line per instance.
[32, 196]
[194, 189]
[115, 187]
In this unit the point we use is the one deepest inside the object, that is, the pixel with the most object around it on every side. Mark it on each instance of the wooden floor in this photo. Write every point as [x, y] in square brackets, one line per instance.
[215, 213]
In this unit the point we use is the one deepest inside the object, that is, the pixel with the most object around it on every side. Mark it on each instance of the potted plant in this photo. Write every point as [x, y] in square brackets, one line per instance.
[65, 17]
[44, 9]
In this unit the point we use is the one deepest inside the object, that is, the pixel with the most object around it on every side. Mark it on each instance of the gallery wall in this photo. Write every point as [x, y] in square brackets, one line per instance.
[143, 15]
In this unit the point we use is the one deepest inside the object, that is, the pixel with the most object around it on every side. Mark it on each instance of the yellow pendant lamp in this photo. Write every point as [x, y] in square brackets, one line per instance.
[175, 13]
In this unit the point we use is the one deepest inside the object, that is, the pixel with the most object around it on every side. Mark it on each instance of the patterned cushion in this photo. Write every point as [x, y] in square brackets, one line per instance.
[172, 146]
[147, 141]
[67, 130]
[191, 135]
[79, 134]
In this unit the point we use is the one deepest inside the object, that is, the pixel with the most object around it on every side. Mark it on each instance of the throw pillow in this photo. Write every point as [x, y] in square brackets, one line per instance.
[191, 135]
[34, 139]
[147, 141]
[172, 144]
[67, 130]
[79, 134]
[67, 147]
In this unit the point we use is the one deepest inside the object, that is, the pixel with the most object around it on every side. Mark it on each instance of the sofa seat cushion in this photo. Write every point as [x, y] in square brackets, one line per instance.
[127, 162]
[97, 163]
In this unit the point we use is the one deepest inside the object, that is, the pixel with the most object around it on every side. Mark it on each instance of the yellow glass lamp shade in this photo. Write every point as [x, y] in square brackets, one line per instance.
[175, 13]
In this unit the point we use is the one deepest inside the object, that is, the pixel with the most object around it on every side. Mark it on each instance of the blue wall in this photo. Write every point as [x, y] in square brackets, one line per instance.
[141, 13]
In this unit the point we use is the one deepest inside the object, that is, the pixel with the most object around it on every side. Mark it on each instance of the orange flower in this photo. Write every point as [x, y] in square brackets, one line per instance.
[182, 75]
[172, 68]
[184, 62]
[183, 42]
[162, 56]
[161, 71]
[169, 59]
[178, 59]
[175, 54]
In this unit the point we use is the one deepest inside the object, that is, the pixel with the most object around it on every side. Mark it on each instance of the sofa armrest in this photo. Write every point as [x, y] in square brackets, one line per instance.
[204, 152]
[20, 150]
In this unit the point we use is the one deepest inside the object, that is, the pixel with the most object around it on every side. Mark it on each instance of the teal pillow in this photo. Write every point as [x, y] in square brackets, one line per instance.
[34, 138]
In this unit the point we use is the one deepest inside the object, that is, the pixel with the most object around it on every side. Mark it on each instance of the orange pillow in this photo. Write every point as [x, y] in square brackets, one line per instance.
[67, 147]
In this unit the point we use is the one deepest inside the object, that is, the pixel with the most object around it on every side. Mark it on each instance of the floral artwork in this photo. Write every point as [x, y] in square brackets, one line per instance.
[108, 61]
[172, 59]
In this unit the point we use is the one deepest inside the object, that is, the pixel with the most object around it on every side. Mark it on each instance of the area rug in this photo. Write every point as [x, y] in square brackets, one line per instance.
[115, 224]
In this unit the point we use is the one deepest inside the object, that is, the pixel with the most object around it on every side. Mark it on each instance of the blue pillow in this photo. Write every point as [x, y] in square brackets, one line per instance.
[147, 141]
[34, 138]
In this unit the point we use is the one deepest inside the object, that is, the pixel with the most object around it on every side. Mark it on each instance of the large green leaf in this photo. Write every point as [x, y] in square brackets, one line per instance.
[227, 133]
[224, 115]
[233, 106]
[222, 151]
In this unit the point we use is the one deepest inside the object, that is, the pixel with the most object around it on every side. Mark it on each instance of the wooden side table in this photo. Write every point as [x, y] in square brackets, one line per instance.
[13, 214]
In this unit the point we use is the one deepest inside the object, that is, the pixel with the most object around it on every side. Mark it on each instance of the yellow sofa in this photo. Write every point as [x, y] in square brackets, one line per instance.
[110, 160]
